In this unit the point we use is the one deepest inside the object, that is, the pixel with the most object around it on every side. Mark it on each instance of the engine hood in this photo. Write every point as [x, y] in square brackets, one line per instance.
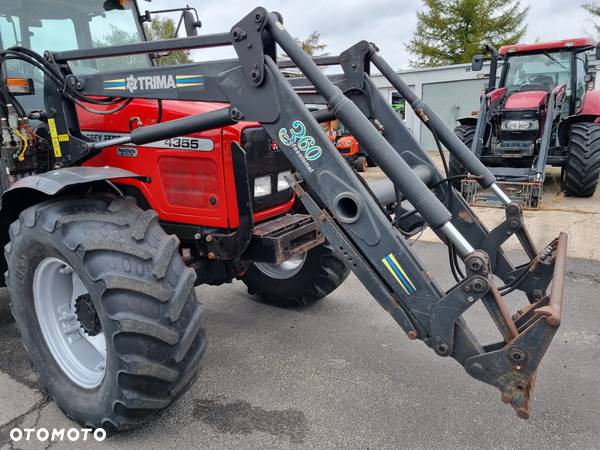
[526, 100]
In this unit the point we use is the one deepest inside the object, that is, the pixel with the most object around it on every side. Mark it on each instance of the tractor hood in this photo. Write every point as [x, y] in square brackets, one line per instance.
[526, 100]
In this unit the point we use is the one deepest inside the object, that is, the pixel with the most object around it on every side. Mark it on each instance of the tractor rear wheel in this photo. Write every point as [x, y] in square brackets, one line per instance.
[580, 175]
[465, 133]
[298, 282]
[105, 307]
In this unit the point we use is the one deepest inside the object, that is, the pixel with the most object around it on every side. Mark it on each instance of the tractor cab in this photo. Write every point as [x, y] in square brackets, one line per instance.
[59, 25]
[544, 67]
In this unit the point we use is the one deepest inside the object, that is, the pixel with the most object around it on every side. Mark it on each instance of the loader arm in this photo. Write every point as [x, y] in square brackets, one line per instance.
[253, 88]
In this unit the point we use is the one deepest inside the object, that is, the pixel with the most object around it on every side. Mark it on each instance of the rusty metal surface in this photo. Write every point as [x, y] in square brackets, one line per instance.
[521, 193]
[283, 238]
[553, 310]
[512, 367]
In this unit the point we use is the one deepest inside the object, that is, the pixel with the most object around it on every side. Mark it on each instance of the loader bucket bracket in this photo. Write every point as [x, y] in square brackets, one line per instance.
[513, 367]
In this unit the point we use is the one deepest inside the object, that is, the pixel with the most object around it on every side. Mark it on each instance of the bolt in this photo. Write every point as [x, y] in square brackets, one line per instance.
[471, 299]
[209, 238]
[238, 34]
[197, 236]
[412, 335]
[213, 200]
[258, 17]
[442, 349]
[517, 355]
[212, 255]
[475, 265]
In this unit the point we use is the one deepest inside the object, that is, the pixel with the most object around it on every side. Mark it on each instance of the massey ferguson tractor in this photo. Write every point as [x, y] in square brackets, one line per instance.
[126, 184]
[542, 112]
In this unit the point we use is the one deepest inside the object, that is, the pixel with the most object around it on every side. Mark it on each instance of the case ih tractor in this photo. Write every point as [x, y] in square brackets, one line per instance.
[543, 112]
[126, 184]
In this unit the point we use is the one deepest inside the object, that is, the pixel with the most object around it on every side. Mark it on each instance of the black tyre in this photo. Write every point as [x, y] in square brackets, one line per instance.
[371, 162]
[105, 307]
[360, 164]
[580, 175]
[298, 282]
[465, 133]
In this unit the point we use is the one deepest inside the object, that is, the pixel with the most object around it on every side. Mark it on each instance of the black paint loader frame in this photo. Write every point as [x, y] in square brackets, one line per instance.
[350, 217]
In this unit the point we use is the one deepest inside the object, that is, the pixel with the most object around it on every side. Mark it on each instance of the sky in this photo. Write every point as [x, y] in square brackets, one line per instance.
[388, 23]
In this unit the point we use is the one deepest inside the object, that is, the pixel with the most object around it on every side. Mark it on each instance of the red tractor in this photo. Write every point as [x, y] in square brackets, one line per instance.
[542, 112]
[191, 189]
[348, 146]
[125, 184]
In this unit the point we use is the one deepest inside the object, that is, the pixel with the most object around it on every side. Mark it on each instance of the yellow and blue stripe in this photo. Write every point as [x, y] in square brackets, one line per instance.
[115, 85]
[399, 274]
[189, 80]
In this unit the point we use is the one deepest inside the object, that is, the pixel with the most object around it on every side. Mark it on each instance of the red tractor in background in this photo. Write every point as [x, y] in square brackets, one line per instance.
[542, 112]
[348, 146]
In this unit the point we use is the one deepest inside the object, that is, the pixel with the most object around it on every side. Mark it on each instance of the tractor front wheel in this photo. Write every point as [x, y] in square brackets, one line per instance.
[298, 282]
[105, 307]
[580, 175]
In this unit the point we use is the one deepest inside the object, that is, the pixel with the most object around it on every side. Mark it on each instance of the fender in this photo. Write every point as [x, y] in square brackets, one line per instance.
[591, 104]
[49, 184]
[470, 120]
[590, 112]
[36, 188]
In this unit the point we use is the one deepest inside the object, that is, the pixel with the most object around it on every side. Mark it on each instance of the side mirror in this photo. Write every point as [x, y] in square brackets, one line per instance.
[598, 51]
[190, 23]
[477, 63]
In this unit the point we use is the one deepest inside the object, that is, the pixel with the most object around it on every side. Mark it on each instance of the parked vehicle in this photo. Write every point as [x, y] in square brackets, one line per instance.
[126, 184]
[543, 112]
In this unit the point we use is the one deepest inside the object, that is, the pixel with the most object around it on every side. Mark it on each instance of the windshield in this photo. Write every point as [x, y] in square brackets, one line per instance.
[540, 71]
[67, 25]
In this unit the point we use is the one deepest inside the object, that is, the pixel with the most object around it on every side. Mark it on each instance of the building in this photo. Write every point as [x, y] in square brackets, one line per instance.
[452, 91]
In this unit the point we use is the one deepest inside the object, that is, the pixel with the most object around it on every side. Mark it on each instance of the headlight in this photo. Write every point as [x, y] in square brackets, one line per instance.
[520, 125]
[282, 183]
[262, 186]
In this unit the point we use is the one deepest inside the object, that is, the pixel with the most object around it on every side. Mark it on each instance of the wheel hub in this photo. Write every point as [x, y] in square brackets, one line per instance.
[87, 315]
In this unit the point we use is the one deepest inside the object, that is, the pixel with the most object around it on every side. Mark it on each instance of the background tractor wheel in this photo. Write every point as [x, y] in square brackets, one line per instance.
[465, 133]
[580, 175]
[299, 281]
[360, 164]
[105, 307]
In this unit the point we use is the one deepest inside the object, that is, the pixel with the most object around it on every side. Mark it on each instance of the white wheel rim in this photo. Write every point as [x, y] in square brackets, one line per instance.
[283, 271]
[80, 356]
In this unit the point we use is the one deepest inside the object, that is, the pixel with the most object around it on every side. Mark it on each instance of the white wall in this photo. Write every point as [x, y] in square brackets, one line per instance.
[416, 78]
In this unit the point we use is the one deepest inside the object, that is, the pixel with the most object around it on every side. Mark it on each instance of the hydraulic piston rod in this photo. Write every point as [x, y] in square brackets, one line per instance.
[401, 174]
[433, 121]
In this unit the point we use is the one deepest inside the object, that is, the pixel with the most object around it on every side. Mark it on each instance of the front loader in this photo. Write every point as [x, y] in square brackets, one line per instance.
[138, 308]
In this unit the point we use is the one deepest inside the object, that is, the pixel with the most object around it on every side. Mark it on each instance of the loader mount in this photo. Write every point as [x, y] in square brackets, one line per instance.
[350, 217]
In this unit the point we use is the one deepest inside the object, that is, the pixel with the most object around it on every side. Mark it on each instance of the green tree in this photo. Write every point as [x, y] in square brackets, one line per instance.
[164, 28]
[117, 36]
[452, 31]
[312, 45]
[593, 10]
